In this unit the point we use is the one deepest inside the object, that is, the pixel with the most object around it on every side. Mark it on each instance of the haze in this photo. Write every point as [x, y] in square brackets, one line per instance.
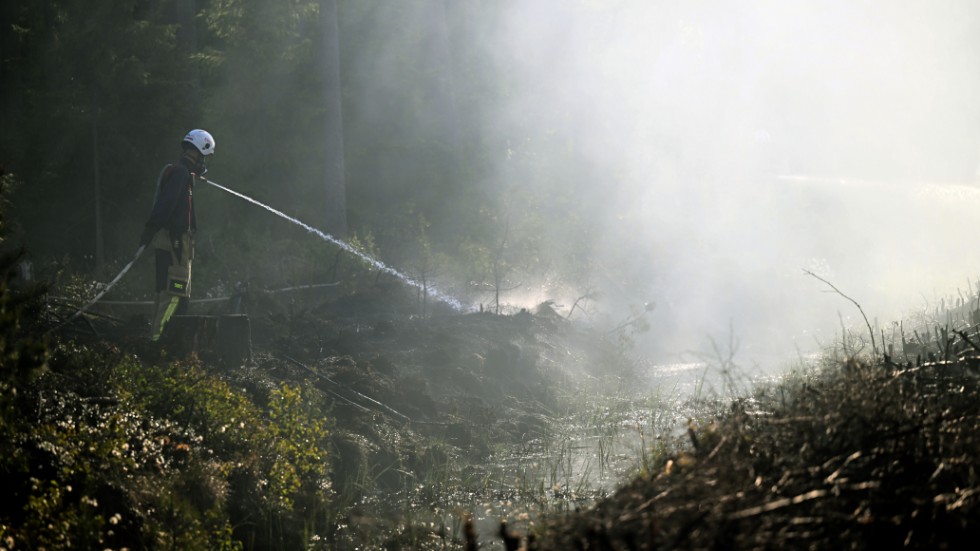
[697, 156]
[733, 145]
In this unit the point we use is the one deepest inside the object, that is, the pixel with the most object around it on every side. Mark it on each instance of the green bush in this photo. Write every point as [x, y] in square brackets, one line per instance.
[101, 450]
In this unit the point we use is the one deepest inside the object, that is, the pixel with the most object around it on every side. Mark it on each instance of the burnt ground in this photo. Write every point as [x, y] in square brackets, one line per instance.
[856, 455]
[465, 381]
[408, 395]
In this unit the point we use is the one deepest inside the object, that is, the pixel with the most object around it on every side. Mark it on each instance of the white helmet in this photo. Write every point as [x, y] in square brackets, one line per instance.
[202, 140]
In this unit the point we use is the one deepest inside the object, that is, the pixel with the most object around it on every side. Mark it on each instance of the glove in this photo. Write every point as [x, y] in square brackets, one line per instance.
[147, 236]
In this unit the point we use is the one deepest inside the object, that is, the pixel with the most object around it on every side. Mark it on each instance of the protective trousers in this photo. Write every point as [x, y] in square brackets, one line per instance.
[173, 278]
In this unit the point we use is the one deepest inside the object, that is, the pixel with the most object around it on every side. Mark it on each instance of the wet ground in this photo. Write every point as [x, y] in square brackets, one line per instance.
[492, 417]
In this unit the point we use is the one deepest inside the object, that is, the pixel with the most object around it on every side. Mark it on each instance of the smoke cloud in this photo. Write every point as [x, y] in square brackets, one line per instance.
[732, 145]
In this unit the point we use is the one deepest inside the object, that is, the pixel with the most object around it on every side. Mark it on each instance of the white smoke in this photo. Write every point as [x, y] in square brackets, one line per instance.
[736, 144]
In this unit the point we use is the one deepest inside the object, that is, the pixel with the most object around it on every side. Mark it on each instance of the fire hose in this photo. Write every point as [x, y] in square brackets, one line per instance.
[108, 287]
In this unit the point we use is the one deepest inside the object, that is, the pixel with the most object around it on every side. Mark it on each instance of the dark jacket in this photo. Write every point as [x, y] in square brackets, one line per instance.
[173, 203]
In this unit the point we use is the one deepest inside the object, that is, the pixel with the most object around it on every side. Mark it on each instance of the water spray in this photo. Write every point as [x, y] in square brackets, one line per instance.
[452, 301]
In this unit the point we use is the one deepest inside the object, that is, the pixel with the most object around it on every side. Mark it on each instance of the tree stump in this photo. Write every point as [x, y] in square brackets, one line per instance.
[226, 339]
[233, 343]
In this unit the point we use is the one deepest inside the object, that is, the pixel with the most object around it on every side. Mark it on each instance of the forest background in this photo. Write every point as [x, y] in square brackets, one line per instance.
[689, 157]
[363, 119]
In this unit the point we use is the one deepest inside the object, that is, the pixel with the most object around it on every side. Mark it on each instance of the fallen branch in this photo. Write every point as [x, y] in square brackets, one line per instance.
[874, 347]
[802, 498]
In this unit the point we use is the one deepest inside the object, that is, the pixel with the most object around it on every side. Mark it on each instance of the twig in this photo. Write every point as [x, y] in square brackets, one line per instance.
[874, 347]
[796, 500]
[779, 504]
[587, 296]
[331, 381]
[969, 341]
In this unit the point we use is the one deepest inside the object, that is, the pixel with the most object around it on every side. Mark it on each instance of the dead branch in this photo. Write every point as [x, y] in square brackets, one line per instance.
[874, 347]
[590, 295]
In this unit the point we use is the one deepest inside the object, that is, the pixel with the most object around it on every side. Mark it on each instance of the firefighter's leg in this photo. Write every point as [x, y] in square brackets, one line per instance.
[184, 259]
[166, 306]
[173, 282]
[186, 255]
[166, 303]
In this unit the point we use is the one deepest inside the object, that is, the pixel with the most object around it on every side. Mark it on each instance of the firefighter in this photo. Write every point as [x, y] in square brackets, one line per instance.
[171, 226]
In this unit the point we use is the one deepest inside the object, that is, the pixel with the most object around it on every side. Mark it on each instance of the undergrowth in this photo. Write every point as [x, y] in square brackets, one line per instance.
[102, 450]
[851, 455]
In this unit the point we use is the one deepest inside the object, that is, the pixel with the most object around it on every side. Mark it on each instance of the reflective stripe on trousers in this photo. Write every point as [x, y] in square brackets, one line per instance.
[166, 306]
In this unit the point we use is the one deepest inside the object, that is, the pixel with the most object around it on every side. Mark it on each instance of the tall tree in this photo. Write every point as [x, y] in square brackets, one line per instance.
[87, 88]
[186, 34]
[333, 155]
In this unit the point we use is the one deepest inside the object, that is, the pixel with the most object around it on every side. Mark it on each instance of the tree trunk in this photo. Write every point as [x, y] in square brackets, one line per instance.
[97, 196]
[336, 207]
[446, 85]
[187, 46]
